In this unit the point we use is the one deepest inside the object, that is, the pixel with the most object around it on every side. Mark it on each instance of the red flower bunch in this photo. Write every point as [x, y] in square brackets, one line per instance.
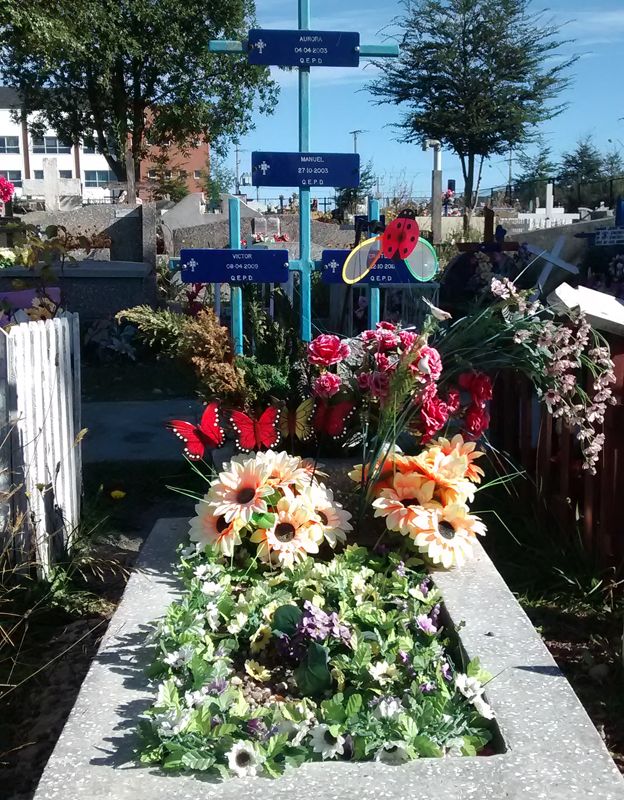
[477, 418]
[7, 190]
[327, 385]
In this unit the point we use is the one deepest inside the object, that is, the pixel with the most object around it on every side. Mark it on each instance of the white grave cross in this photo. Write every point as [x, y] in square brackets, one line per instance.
[552, 260]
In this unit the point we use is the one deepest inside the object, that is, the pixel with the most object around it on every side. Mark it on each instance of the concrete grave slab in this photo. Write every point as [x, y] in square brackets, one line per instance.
[553, 751]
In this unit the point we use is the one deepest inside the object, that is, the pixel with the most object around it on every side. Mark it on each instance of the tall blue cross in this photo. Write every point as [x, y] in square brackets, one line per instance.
[304, 264]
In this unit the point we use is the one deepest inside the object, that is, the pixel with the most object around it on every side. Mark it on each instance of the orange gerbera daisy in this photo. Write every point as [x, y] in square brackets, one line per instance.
[457, 445]
[405, 502]
[239, 492]
[294, 534]
[446, 534]
[392, 464]
[209, 528]
[448, 471]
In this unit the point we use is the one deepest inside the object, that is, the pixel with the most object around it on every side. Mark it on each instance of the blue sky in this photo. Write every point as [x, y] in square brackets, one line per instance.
[340, 102]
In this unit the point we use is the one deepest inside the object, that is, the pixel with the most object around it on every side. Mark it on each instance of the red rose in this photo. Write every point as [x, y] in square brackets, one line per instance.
[434, 412]
[453, 401]
[368, 336]
[327, 385]
[478, 384]
[326, 350]
[476, 421]
[429, 362]
[383, 363]
[364, 381]
[386, 326]
[386, 340]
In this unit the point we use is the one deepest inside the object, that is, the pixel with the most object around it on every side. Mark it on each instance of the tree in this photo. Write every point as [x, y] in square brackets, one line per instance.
[168, 182]
[217, 180]
[581, 165]
[477, 75]
[133, 71]
[538, 168]
[348, 199]
[613, 164]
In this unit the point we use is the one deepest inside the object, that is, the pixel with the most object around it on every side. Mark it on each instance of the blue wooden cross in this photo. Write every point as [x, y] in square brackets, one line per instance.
[335, 55]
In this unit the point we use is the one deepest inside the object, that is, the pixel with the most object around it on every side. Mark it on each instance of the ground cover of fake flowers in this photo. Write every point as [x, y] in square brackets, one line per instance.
[284, 649]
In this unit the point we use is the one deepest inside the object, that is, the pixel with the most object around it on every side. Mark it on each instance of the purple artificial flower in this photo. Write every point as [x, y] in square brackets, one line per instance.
[218, 686]
[426, 625]
[424, 587]
[404, 657]
[447, 672]
[435, 613]
[257, 727]
[428, 688]
[400, 570]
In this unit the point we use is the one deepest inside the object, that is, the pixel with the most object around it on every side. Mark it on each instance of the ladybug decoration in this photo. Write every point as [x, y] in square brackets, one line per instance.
[401, 235]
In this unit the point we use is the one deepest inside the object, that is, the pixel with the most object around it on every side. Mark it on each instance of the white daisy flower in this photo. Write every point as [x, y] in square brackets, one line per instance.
[388, 708]
[243, 760]
[238, 622]
[471, 688]
[212, 616]
[178, 658]
[212, 589]
[296, 731]
[392, 753]
[382, 672]
[324, 743]
[171, 722]
[483, 708]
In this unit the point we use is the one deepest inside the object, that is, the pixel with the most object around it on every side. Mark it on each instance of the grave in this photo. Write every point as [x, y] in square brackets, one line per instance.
[60, 194]
[551, 750]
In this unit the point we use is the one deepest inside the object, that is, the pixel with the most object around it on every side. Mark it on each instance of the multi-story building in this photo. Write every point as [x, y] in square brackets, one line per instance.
[21, 157]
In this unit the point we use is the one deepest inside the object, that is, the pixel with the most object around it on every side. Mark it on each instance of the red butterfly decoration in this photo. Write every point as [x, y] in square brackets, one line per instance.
[401, 235]
[332, 420]
[208, 435]
[256, 434]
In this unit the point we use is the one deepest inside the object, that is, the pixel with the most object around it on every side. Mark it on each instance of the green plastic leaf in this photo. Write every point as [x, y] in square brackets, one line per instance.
[354, 704]
[312, 675]
[263, 520]
[286, 618]
[425, 747]
[333, 710]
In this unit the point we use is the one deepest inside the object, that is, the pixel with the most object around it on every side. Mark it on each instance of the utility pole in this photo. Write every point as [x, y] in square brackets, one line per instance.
[355, 135]
[237, 183]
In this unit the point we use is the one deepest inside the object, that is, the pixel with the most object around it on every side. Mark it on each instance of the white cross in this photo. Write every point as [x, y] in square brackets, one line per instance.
[260, 45]
[264, 167]
[192, 264]
[333, 266]
[552, 260]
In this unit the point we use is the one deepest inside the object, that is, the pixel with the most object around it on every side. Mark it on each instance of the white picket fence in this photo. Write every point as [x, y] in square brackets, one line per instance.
[40, 381]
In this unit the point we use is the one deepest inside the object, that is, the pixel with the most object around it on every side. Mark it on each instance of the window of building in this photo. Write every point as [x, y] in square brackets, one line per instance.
[168, 175]
[183, 173]
[9, 144]
[50, 144]
[65, 173]
[38, 174]
[197, 174]
[151, 174]
[13, 175]
[100, 177]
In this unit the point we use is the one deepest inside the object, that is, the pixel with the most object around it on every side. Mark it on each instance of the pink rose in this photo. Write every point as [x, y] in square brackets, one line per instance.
[364, 381]
[476, 421]
[379, 384]
[386, 340]
[408, 340]
[428, 362]
[326, 350]
[383, 363]
[386, 326]
[327, 385]
[368, 336]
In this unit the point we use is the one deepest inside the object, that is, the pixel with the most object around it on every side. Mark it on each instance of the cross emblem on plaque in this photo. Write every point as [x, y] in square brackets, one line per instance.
[192, 264]
[333, 266]
[264, 167]
[260, 45]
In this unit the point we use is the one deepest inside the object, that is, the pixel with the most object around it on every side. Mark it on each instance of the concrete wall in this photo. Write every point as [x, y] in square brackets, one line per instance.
[130, 237]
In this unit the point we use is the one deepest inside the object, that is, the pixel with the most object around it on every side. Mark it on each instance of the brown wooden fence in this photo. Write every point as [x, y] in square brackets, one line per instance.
[547, 449]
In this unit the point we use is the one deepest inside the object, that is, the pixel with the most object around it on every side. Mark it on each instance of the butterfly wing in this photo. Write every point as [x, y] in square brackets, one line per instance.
[267, 430]
[191, 436]
[303, 415]
[361, 260]
[245, 431]
[210, 428]
[337, 419]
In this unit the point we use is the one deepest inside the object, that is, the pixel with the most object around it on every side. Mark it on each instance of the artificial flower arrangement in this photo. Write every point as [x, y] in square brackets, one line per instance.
[275, 657]
[7, 190]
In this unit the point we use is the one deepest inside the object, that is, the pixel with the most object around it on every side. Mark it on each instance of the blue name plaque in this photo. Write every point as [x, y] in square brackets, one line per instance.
[305, 169]
[234, 266]
[304, 48]
[384, 272]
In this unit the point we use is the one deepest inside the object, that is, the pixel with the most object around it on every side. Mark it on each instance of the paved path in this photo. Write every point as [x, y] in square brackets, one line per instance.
[134, 431]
